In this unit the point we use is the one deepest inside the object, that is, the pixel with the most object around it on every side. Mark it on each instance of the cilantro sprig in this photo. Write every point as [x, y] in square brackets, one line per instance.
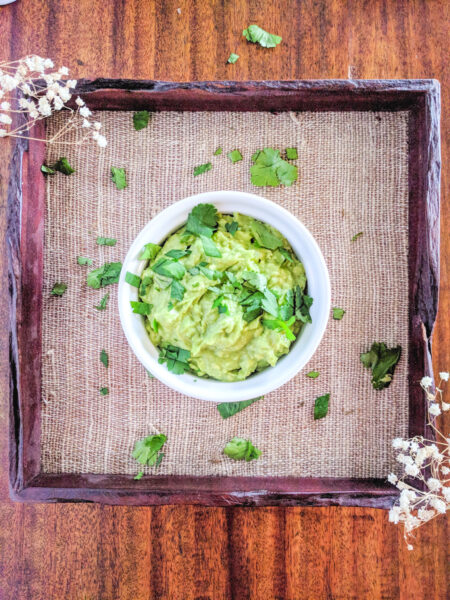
[202, 222]
[147, 451]
[382, 361]
[269, 169]
[240, 449]
[175, 358]
[257, 35]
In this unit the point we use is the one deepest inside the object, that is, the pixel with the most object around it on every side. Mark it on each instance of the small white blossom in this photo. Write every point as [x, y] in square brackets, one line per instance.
[392, 478]
[34, 114]
[426, 382]
[97, 125]
[65, 94]
[48, 63]
[412, 470]
[102, 141]
[397, 443]
[26, 89]
[438, 504]
[401, 458]
[3, 132]
[401, 485]
[445, 470]
[86, 123]
[446, 493]
[414, 446]
[85, 112]
[394, 514]
[50, 94]
[63, 71]
[410, 547]
[5, 105]
[445, 406]
[8, 83]
[71, 83]
[6, 119]
[434, 409]
[444, 375]
[424, 514]
[44, 107]
[434, 484]
[79, 101]
[58, 103]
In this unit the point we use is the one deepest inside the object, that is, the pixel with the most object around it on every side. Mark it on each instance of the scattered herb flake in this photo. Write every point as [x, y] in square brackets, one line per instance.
[209, 247]
[382, 362]
[280, 325]
[147, 450]
[256, 35]
[202, 169]
[140, 119]
[81, 260]
[138, 476]
[105, 275]
[104, 359]
[313, 374]
[232, 227]
[269, 169]
[155, 327]
[286, 254]
[62, 165]
[291, 153]
[356, 236]
[338, 313]
[321, 406]
[104, 391]
[149, 251]
[141, 308]
[228, 409]
[240, 449]
[47, 170]
[232, 58]
[132, 279]
[177, 254]
[218, 151]
[103, 302]
[202, 220]
[176, 359]
[159, 459]
[177, 290]
[119, 177]
[169, 268]
[58, 289]
[104, 241]
[234, 156]
[265, 237]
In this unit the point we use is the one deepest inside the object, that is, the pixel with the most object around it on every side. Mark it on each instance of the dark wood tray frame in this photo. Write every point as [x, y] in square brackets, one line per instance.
[26, 201]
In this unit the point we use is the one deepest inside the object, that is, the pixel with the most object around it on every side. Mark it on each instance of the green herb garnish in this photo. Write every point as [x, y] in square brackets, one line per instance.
[177, 254]
[240, 449]
[256, 35]
[232, 58]
[81, 260]
[271, 170]
[176, 359]
[132, 279]
[209, 247]
[103, 302]
[291, 153]
[265, 237]
[338, 313]
[232, 227]
[313, 374]
[58, 289]
[147, 451]
[356, 236]
[280, 325]
[47, 170]
[169, 268]
[234, 156]
[155, 327]
[321, 406]
[382, 362]
[119, 177]
[104, 241]
[177, 290]
[62, 165]
[104, 391]
[218, 152]
[202, 221]
[286, 254]
[105, 275]
[149, 251]
[141, 308]
[228, 409]
[140, 119]
[202, 169]
[104, 358]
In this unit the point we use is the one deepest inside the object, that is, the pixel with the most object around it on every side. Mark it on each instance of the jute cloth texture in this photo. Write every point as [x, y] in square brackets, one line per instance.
[353, 177]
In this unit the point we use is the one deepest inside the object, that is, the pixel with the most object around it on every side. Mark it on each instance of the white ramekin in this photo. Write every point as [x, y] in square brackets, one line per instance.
[304, 246]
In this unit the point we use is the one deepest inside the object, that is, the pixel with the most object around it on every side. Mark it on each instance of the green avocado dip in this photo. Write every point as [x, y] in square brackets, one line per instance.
[224, 297]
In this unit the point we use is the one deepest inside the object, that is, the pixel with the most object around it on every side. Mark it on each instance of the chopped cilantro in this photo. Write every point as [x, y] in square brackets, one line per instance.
[62, 165]
[177, 290]
[169, 268]
[240, 449]
[47, 170]
[264, 236]
[234, 156]
[228, 409]
[291, 153]
[149, 251]
[58, 289]
[202, 169]
[138, 476]
[177, 254]
[221, 307]
[104, 241]
[338, 313]
[232, 227]
[119, 177]
[382, 362]
[313, 374]
[170, 306]
[103, 302]
[140, 119]
[302, 304]
[280, 325]
[209, 247]
[256, 35]
[105, 275]
[155, 327]
[218, 152]
[81, 260]
[232, 58]
[269, 303]
[356, 236]
[132, 279]
[147, 451]
[159, 459]
[321, 406]
[286, 254]
[104, 359]
[141, 308]
[104, 391]
[270, 169]
[255, 280]
[176, 359]
[202, 220]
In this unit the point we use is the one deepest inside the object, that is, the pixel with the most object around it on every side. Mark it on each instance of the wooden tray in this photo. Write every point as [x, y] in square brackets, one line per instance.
[26, 200]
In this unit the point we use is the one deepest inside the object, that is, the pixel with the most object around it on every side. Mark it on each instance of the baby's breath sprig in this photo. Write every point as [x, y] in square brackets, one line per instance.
[425, 460]
[34, 89]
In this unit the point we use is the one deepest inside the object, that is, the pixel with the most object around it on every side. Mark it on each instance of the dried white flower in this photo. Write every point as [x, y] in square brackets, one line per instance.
[446, 493]
[86, 123]
[394, 514]
[97, 125]
[412, 470]
[71, 83]
[79, 101]
[3, 132]
[444, 375]
[64, 93]
[58, 103]
[8, 83]
[413, 446]
[5, 105]
[426, 382]
[438, 504]
[6, 119]
[48, 63]
[26, 89]
[397, 443]
[63, 71]
[85, 112]
[102, 141]
[44, 107]
[50, 94]
[434, 409]
[392, 478]
[434, 484]
[425, 514]
[445, 470]
[445, 406]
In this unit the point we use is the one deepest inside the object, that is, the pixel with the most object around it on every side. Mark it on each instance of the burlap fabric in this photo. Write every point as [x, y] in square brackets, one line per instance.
[353, 176]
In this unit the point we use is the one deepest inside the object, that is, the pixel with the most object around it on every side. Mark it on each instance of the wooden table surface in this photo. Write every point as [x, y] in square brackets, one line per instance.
[82, 551]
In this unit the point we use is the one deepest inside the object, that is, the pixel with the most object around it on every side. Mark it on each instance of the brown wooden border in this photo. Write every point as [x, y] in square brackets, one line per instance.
[26, 208]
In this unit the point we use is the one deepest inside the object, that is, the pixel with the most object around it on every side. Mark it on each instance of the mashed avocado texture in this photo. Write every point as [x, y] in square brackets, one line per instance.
[225, 296]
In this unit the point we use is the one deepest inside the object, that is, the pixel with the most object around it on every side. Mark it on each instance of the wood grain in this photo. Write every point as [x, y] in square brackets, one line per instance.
[85, 551]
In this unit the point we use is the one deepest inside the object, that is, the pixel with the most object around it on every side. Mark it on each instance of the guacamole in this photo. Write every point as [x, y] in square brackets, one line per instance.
[224, 296]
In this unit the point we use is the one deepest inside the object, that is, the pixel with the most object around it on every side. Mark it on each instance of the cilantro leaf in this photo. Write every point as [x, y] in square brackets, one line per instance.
[104, 391]
[270, 169]
[149, 251]
[232, 227]
[47, 170]
[104, 359]
[232, 58]
[255, 280]
[240, 449]
[286, 254]
[218, 152]
[356, 236]
[81, 260]
[177, 254]
[321, 406]
[202, 169]
[264, 236]
[209, 247]
[58, 289]
[302, 304]
[382, 362]
[155, 327]
[169, 268]
[234, 156]
[141, 308]
[202, 220]
[62, 165]
[104, 241]
[218, 303]
[313, 374]
[177, 290]
[138, 476]
[103, 302]
[338, 313]
[228, 409]
[140, 119]
[146, 451]
[132, 279]
[269, 303]
[176, 359]
[291, 153]
[256, 35]
[280, 325]
[105, 275]
[119, 177]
